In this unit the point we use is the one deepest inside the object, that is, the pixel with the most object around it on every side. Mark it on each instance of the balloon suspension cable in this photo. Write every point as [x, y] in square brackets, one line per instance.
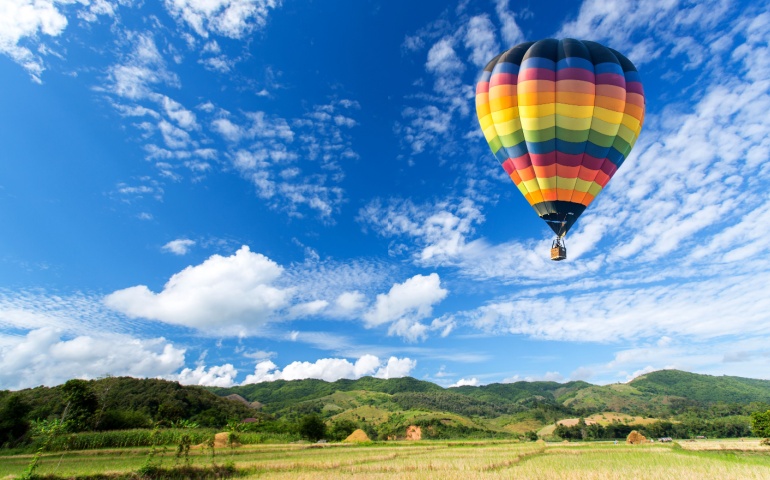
[559, 246]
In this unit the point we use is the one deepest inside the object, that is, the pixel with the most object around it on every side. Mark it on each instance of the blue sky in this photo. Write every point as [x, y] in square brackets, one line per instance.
[229, 192]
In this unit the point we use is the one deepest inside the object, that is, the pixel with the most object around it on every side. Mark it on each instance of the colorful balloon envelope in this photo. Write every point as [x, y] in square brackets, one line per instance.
[561, 116]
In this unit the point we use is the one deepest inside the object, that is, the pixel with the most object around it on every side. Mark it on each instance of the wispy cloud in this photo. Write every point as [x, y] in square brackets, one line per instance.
[179, 246]
[228, 18]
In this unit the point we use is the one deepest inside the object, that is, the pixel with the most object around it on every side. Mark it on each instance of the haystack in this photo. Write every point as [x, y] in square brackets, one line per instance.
[635, 438]
[357, 436]
[221, 440]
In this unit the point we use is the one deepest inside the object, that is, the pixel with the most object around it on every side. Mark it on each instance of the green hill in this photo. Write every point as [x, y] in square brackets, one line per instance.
[703, 388]
[126, 402]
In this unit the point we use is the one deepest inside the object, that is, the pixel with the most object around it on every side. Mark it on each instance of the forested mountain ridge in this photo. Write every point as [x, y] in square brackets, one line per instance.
[658, 392]
[676, 401]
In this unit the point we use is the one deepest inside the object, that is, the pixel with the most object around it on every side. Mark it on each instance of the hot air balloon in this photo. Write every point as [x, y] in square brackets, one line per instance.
[561, 116]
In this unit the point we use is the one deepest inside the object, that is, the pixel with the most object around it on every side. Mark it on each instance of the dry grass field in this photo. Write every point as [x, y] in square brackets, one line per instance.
[709, 459]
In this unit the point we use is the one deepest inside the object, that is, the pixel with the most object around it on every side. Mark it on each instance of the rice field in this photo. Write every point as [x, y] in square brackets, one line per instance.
[433, 460]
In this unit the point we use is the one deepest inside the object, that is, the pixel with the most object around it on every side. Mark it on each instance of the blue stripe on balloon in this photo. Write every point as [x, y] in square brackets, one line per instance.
[575, 62]
[608, 67]
[571, 148]
[633, 76]
[505, 67]
[517, 150]
[615, 156]
[596, 151]
[538, 62]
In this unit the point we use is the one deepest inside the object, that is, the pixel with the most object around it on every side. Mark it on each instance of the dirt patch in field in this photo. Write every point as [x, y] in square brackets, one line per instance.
[357, 436]
[571, 422]
[413, 432]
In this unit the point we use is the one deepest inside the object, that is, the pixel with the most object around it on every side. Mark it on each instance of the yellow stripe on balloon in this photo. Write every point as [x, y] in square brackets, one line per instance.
[537, 111]
[538, 123]
[594, 189]
[571, 123]
[574, 111]
[582, 185]
[610, 116]
[506, 128]
[505, 115]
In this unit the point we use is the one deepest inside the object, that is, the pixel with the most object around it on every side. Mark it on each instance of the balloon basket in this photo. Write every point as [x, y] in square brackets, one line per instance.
[558, 250]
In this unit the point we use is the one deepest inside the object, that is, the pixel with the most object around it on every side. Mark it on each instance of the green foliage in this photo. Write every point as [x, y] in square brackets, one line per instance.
[446, 401]
[760, 424]
[81, 405]
[49, 430]
[312, 427]
[341, 429]
[13, 424]
[125, 403]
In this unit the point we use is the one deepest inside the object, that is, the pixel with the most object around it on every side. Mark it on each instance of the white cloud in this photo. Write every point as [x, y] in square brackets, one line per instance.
[405, 305]
[179, 246]
[183, 117]
[143, 68]
[294, 176]
[440, 230]
[332, 369]
[472, 382]
[628, 26]
[510, 30]
[443, 60]
[709, 308]
[480, 40]
[44, 357]
[229, 18]
[215, 376]
[25, 19]
[222, 293]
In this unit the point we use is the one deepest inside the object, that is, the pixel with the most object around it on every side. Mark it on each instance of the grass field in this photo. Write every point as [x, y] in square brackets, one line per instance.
[713, 459]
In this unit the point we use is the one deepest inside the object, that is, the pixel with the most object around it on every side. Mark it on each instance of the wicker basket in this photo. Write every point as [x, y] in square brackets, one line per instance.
[558, 252]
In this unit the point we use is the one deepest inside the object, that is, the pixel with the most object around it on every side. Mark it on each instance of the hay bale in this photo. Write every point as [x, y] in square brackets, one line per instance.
[357, 436]
[635, 438]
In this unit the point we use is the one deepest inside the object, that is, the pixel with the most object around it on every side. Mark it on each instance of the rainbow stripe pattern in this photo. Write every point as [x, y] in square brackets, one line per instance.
[561, 116]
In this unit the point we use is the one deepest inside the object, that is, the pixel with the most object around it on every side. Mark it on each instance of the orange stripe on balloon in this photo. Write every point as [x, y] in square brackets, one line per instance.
[610, 103]
[562, 194]
[587, 174]
[572, 98]
[568, 172]
[549, 195]
[545, 172]
[602, 178]
[535, 86]
[527, 174]
[635, 111]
